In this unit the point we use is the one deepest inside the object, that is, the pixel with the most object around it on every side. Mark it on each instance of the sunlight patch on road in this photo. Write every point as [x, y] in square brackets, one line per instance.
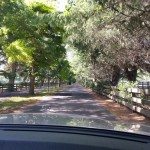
[46, 98]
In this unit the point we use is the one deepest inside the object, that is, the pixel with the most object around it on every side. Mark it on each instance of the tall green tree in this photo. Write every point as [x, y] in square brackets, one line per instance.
[33, 36]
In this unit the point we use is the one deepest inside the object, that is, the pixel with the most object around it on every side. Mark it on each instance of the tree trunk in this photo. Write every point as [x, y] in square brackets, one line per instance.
[131, 73]
[32, 81]
[42, 82]
[59, 82]
[115, 75]
[12, 77]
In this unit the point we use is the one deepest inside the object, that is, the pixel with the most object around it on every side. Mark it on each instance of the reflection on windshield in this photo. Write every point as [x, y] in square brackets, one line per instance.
[75, 120]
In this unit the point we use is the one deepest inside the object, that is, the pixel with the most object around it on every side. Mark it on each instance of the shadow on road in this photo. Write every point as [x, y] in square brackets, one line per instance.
[72, 100]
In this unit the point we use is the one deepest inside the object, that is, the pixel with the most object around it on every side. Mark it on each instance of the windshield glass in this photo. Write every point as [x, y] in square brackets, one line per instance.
[82, 63]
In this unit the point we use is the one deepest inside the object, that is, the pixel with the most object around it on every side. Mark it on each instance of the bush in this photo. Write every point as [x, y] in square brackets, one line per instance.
[102, 87]
[123, 85]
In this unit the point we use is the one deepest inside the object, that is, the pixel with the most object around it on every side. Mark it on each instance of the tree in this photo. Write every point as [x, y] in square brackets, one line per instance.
[113, 35]
[62, 71]
[34, 37]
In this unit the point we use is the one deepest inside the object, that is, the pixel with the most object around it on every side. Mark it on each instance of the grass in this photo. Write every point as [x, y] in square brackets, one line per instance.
[15, 103]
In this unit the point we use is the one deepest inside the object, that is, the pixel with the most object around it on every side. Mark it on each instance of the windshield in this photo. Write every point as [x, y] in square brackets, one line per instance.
[82, 63]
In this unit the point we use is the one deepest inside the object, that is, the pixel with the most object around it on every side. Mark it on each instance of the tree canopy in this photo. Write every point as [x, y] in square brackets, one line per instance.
[111, 40]
[113, 36]
[32, 35]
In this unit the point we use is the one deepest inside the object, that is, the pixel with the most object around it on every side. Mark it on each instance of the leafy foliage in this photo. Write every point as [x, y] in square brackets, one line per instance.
[32, 35]
[112, 35]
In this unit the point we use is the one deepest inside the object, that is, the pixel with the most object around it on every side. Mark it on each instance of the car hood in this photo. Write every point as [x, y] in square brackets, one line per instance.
[73, 120]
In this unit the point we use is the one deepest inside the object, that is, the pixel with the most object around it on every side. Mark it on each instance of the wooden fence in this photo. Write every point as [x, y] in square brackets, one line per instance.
[24, 86]
[135, 99]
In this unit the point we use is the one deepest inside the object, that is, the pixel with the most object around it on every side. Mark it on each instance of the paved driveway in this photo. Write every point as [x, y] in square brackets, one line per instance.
[72, 100]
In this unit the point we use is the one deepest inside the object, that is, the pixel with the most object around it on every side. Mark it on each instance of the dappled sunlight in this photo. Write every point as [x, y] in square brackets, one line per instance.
[19, 99]
[122, 113]
[11, 106]
[72, 100]
[59, 97]
[76, 100]
[48, 44]
[140, 118]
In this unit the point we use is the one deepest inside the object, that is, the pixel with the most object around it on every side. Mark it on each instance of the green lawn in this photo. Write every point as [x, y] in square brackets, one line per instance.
[15, 103]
